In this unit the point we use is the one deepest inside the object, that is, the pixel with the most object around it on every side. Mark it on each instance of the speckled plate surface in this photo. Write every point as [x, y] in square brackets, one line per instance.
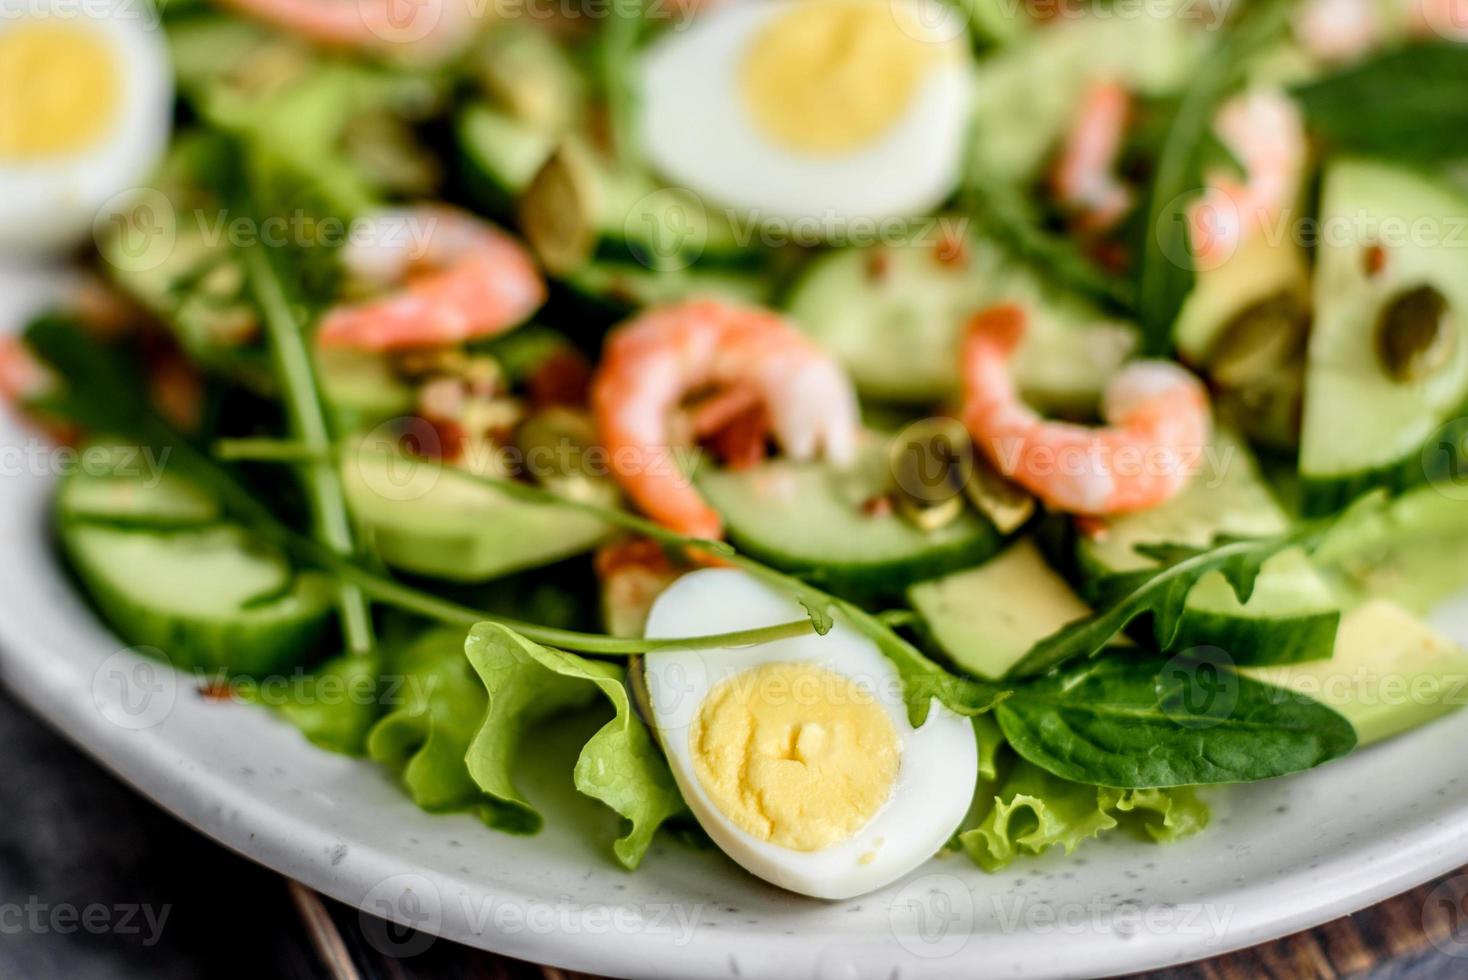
[1280, 857]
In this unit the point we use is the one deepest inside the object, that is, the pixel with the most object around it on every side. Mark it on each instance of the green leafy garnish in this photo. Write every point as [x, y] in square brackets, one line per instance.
[1405, 104]
[1145, 721]
[335, 706]
[425, 737]
[1036, 810]
[620, 765]
[1162, 592]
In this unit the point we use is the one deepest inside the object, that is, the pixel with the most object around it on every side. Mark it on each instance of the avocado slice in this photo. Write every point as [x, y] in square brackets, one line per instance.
[1390, 672]
[1388, 234]
[423, 519]
[987, 618]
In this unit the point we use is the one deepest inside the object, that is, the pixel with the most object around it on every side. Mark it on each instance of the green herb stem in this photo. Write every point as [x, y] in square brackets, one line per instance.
[302, 398]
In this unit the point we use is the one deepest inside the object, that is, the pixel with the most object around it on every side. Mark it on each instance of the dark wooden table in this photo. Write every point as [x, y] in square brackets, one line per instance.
[97, 884]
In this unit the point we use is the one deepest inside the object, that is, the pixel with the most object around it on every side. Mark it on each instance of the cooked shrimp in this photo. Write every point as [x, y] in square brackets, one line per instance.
[1264, 132]
[465, 279]
[1446, 19]
[1158, 425]
[1337, 30]
[22, 377]
[1084, 178]
[653, 362]
[423, 28]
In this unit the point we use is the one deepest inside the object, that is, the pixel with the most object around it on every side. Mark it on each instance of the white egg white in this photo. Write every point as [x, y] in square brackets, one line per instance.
[696, 131]
[939, 761]
[52, 203]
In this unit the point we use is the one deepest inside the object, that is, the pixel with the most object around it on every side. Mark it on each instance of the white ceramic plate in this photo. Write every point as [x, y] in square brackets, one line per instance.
[1279, 857]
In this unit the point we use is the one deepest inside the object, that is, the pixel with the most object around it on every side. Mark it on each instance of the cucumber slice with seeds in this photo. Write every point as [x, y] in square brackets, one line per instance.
[1292, 614]
[167, 571]
[812, 519]
[894, 316]
[210, 598]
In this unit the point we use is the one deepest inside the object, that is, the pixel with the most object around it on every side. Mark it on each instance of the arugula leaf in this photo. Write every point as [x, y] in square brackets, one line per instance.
[1162, 592]
[1145, 722]
[620, 765]
[1406, 104]
[1035, 810]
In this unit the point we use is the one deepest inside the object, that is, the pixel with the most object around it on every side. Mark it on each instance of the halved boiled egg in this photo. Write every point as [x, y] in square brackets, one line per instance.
[797, 756]
[86, 98]
[824, 110]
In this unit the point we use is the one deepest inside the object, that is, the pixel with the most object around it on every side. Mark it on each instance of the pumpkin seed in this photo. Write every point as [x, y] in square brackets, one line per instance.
[560, 208]
[1260, 340]
[930, 461]
[1415, 336]
[553, 443]
[1005, 503]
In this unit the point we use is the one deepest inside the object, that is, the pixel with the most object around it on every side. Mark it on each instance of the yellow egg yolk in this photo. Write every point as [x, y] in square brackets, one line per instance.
[795, 754]
[58, 89]
[833, 75]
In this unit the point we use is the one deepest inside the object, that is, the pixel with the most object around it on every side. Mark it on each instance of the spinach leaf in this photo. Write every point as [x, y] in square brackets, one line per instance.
[1131, 722]
[1406, 104]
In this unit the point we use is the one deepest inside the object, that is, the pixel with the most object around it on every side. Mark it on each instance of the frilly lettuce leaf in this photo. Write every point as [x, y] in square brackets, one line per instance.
[334, 707]
[438, 706]
[1035, 810]
[620, 765]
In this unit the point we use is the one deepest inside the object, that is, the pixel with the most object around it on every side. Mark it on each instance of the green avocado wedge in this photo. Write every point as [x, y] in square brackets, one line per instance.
[1390, 672]
[424, 518]
[986, 618]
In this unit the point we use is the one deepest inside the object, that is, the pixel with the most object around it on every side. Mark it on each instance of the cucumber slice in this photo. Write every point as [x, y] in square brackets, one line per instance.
[894, 316]
[808, 518]
[210, 599]
[1363, 427]
[1292, 614]
[425, 520]
[1410, 552]
[1390, 672]
[120, 486]
[503, 153]
[987, 618]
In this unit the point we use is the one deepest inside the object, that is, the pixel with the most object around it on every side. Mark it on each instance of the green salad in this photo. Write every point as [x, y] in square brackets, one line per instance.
[883, 427]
